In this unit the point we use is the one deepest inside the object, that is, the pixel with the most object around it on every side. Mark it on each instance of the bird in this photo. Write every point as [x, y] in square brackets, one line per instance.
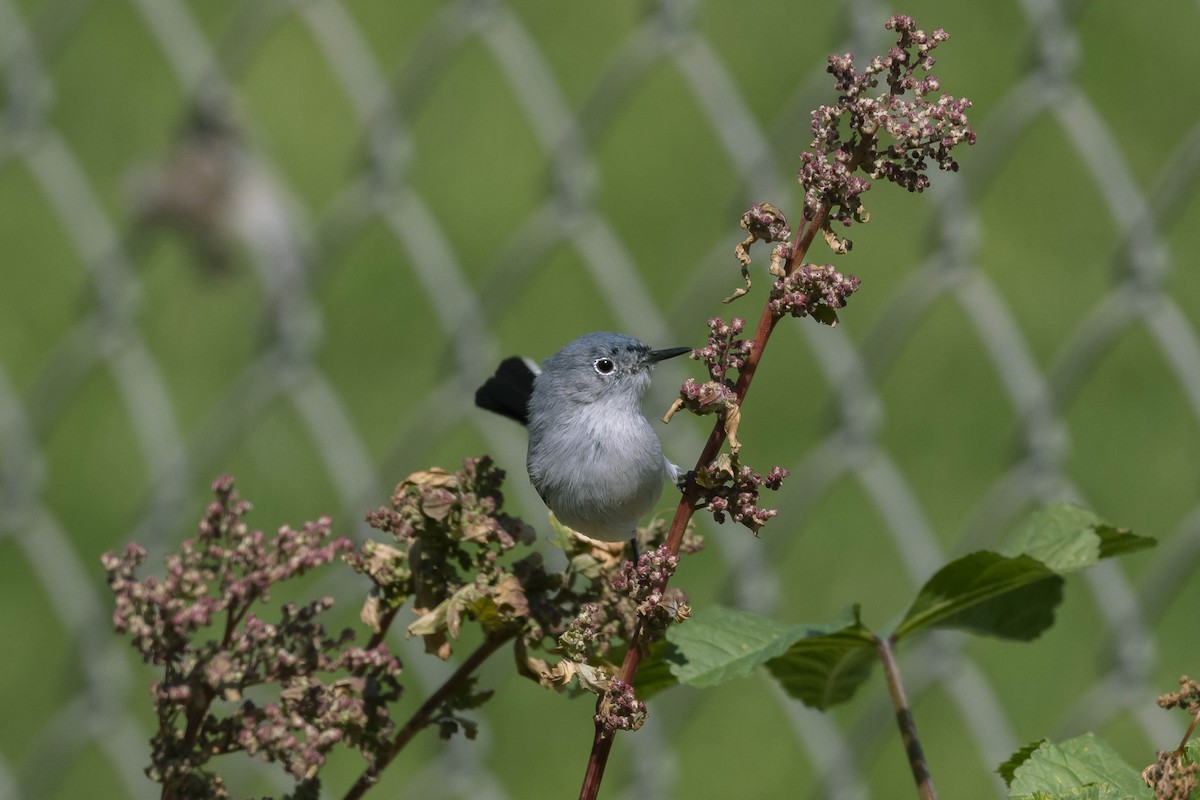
[593, 457]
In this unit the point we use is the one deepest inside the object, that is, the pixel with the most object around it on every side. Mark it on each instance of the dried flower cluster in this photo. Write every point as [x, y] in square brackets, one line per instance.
[921, 130]
[450, 540]
[724, 353]
[728, 488]
[449, 554]
[724, 356]
[196, 624]
[763, 222]
[643, 583]
[812, 292]
[1188, 697]
[1170, 777]
[612, 598]
[733, 489]
[449, 537]
[623, 597]
[620, 710]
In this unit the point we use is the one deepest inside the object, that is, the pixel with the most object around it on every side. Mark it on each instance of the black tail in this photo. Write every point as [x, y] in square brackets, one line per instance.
[507, 392]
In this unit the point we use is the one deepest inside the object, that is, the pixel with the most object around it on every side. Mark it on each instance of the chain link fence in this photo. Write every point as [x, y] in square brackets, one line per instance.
[288, 239]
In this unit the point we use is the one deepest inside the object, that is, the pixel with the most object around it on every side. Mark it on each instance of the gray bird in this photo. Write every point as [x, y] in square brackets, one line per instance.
[593, 457]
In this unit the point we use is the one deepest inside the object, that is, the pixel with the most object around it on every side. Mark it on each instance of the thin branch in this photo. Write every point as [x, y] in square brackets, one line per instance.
[381, 634]
[904, 719]
[1188, 734]
[421, 718]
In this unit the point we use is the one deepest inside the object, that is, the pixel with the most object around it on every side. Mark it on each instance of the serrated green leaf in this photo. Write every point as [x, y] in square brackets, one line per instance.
[1082, 763]
[1012, 594]
[1018, 758]
[1020, 615]
[1060, 536]
[828, 665]
[1089, 792]
[1067, 538]
[718, 644]
[987, 593]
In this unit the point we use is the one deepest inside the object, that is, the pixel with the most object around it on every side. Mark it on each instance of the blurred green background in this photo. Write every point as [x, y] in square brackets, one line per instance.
[286, 240]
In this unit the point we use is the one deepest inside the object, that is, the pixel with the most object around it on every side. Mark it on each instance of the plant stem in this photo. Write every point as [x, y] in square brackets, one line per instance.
[904, 719]
[1188, 734]
[601, 747]
[421, 718]
[601, 743]
[384, 624]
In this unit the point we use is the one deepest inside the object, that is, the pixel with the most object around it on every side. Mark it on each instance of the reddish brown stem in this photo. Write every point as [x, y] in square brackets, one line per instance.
[602, 742]
[423, 714]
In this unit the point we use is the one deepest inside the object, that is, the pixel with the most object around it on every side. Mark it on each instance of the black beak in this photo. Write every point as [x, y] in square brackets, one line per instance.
[654, 356]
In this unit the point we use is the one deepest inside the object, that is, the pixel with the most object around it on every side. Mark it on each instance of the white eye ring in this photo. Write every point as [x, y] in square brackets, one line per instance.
[603, 366]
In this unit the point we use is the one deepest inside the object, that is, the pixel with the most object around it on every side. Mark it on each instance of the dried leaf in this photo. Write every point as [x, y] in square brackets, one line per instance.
[434, 476]
[509, 593]
[528, 666]
[436, 644]
[678, 404]
[460, 602]
[719, 470]
[593, 679]
[431, 626]
[836, 243]
[428, 621]
[605, 555]
[480, 531]
[741, 290]
[742, 251]
[779, 257]
[558, 676]
[733, 418]
[437, 503]
[370, 615]
[380, 561]
[596, 680]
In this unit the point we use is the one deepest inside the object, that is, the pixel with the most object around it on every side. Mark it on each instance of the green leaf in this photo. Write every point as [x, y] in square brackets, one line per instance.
[1089, 792]
[1012, 594]
[1119, 541]
[654, 674]
[1067, 769]
[718, 644]
[1067, 538]
[1018, 758]
[1060, 536]
[828, 665]
[988, 593]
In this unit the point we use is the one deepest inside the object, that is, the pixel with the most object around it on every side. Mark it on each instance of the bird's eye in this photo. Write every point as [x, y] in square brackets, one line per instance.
[603, 365]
